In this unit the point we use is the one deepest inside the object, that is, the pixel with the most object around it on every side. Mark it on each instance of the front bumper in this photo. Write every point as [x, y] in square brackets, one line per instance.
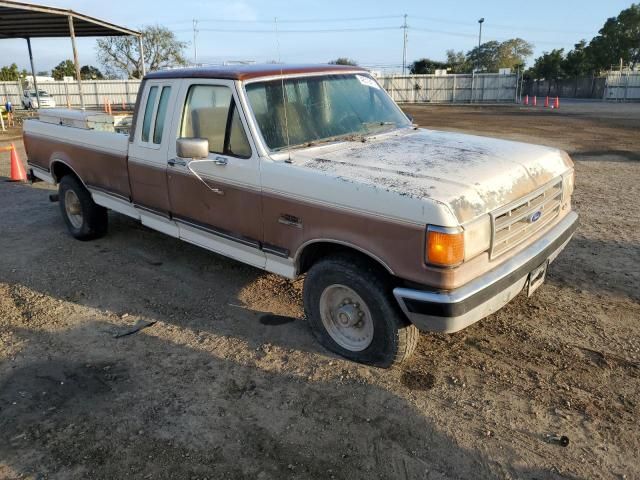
[452, 310]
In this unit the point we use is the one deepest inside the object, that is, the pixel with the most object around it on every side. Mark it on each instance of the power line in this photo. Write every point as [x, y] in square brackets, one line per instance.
[328, 30]
[291, 20]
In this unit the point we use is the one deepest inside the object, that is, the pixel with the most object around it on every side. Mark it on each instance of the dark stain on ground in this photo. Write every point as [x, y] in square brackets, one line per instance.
[416, 380]
[42, 389]
[274, 320]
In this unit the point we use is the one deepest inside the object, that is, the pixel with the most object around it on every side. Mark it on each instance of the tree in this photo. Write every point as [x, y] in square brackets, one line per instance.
[485, 57]
[121, 55]
[66, 68]
[343, 61]
[493, 55]
[457, 62]
[549, 66]
[9, 73]
[578, 61]
[89, 72]
[426, 65]
[618, 39]
[513, 53]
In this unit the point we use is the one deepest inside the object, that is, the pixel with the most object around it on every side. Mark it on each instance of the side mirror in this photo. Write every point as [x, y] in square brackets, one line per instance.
[196, 148]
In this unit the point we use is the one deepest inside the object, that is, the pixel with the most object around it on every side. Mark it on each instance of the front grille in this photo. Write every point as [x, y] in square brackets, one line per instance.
[512, 225]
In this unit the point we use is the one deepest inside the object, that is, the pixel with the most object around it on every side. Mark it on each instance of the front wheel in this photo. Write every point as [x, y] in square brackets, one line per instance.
[349, 306]
[84, 218]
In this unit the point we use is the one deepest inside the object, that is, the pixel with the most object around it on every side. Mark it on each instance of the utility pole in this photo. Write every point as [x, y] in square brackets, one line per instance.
[481, 21]
[404, 46]
[195, 45]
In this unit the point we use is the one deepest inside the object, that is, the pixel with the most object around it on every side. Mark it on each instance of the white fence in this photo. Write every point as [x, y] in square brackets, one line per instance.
[67, 93]
[484, 87]
[622, 86]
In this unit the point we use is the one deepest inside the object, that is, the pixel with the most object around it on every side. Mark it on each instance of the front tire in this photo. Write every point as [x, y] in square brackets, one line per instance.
[349, 306]
[84, 218]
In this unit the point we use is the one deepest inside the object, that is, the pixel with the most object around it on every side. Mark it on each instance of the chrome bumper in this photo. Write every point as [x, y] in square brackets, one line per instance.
[452, 310]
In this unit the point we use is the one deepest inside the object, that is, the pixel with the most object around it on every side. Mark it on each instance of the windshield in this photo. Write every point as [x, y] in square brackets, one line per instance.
[42, 93]
[321, 108]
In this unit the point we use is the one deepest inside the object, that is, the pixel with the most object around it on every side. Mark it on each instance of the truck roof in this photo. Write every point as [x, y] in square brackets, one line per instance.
[245, 72]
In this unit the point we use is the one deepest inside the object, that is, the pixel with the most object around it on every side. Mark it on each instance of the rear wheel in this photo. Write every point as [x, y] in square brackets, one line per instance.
[349, 306]
[84, 218]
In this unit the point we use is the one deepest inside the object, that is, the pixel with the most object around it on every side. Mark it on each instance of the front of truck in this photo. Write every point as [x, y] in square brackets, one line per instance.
[494, 213]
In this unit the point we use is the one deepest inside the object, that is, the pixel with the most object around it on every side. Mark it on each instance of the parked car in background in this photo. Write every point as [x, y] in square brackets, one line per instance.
[30, 100]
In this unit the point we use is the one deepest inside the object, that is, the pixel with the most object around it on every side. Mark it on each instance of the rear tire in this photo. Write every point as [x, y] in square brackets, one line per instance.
[351, 311]
[84, 218]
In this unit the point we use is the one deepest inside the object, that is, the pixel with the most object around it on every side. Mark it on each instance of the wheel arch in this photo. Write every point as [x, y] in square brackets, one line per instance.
[313, 250]
[59, 168]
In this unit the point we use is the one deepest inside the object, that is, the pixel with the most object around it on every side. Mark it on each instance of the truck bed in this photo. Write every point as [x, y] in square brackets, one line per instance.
[98, 157]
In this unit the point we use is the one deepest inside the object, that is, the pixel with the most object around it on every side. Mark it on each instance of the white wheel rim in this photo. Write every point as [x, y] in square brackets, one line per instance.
[346, 317]
[73, 208]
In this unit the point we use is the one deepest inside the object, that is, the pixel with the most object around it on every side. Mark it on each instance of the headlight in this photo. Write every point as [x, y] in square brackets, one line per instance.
[568, 184]
[477, 237]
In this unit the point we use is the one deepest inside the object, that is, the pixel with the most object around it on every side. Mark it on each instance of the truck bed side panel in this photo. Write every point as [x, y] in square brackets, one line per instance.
[99, 158]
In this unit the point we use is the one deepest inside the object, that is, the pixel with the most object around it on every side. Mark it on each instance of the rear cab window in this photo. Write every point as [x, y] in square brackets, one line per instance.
[154, 116]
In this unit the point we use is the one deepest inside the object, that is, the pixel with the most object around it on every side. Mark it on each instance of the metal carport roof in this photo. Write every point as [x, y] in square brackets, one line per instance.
[22, 20]
[25, 20]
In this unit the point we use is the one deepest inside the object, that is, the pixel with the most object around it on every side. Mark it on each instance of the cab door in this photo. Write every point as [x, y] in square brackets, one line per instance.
[216, 201]
[148, 152]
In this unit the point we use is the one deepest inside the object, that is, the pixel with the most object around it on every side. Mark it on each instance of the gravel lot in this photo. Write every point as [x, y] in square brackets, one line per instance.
[229, 383]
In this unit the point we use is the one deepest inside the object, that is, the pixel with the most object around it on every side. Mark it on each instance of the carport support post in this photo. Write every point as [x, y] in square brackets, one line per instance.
[142, 67]
[72, 32]
[33, 71]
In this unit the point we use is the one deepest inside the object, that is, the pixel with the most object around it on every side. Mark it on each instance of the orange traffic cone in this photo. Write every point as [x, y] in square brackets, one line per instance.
[18, 173]
[546, 101]
[556, 104]
[535, 101]
[526, 99]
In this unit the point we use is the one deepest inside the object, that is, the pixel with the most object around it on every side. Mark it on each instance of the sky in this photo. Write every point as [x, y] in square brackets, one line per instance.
[366, 31]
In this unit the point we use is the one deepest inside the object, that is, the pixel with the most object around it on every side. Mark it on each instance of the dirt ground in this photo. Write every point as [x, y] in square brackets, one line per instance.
[229, 383]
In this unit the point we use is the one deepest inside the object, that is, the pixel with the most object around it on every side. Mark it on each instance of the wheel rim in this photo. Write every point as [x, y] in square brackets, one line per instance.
[72, 208]
[346, 317]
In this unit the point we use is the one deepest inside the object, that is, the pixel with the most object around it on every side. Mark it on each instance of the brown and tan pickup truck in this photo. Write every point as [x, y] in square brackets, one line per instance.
[314, 170]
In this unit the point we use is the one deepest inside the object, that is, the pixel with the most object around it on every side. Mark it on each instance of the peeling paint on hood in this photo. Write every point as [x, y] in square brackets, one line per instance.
[470, 174]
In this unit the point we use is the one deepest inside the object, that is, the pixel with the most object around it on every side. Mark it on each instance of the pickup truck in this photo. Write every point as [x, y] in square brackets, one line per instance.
[314, 170]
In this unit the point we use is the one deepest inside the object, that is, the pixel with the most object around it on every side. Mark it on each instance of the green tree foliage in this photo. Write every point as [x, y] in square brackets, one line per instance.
[457, 62]
[11, 73]
[425, 65]
[577, 62]
[120, 56]
[66, 68]
[343, 61]
[619, 38]
[89, 72]
[493, 55]
[548, 66]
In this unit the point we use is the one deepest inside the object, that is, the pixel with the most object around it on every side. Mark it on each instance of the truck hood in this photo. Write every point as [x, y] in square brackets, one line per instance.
[472, 175]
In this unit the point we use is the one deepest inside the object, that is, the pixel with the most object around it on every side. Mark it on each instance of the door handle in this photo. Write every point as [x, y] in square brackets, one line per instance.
[176, 161]
[220, 161]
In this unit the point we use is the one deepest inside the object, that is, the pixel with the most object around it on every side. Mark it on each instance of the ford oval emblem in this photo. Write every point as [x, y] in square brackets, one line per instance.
[535, 216]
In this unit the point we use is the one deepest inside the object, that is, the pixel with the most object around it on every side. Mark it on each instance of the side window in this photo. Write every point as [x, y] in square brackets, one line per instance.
[148, 113]
[210, 113]
[161, 115]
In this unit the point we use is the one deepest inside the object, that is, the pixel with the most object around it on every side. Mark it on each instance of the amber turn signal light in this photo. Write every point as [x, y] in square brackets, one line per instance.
[444, 249]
